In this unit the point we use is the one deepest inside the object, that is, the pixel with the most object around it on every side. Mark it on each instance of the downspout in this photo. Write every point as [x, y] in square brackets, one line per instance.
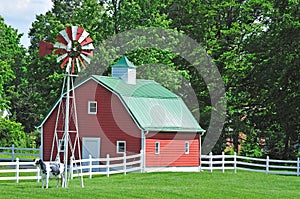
[143, 149]
[201, 133]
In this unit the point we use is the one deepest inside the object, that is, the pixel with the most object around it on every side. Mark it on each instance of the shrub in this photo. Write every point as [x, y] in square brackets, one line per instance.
[12, 133]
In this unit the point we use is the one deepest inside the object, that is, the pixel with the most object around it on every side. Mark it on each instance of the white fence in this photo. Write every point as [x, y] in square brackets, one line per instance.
[106, 166]
[234, 162]
[22, 153]
[17, 168]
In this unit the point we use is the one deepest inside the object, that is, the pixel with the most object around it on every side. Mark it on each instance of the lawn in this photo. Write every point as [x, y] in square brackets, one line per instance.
[163, 185]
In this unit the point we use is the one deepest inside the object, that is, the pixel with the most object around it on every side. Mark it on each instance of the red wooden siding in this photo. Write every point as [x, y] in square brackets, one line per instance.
[172, 149]
[111, 123]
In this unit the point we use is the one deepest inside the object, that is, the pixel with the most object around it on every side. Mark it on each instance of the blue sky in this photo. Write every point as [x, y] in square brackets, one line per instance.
[21, 13]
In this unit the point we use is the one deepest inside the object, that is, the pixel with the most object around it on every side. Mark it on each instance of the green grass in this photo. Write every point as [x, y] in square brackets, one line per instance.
[163, 185]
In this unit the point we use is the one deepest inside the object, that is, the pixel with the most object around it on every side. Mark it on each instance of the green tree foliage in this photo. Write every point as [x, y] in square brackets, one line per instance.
[276, 78]
[254, 44]
[9, 49]
[12, 65]
[12, 133]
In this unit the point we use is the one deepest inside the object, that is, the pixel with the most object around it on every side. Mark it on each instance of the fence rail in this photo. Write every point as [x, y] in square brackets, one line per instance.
[13, 153]
[234, 162]
[18, 168]
[22, 170]
[106, 166]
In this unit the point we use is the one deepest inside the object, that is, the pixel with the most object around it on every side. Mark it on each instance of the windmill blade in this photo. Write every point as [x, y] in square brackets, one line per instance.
[83, 64]
[88, 60]
[86, 41]
[65, 35]
[64, 62]
[88, 47]
[73, 65]
[84, 35]
[69, 65]
[79, 33]
[77, 64]
[74, 32]
[88, 53]
[60, 51]
[60, 46]
[69, 32]
[45, 48]
[62, 57]
[60, 39]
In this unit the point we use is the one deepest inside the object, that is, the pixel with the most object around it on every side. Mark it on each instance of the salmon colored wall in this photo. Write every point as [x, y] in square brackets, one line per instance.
[172, 149]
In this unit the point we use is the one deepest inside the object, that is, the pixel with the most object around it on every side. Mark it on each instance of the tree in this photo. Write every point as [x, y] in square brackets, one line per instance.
[222, 27]
[276, 79]
[11, 64]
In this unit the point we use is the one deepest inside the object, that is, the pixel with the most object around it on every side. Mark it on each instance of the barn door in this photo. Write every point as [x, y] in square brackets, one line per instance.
[90, 146]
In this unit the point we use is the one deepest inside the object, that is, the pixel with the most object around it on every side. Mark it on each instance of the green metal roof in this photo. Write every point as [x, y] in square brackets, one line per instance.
[123, 63]
[152, 106]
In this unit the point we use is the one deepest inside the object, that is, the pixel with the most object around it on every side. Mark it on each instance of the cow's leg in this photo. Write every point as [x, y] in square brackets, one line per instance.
[43, 180]
[57, 182]
[47, 180]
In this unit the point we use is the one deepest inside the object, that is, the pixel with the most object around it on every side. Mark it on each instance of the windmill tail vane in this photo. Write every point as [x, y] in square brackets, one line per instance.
[74, 47]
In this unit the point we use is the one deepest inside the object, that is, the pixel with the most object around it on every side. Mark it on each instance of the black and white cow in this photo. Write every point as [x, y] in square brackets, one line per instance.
[50, 170]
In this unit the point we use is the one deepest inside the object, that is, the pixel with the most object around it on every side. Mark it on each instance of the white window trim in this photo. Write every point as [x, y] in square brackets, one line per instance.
[157, 148]
[118, 149]
[187, 147]
[60, 145]
[89, 107]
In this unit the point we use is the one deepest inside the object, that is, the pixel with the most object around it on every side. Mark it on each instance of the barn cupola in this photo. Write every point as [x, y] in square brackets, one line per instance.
[124, 70]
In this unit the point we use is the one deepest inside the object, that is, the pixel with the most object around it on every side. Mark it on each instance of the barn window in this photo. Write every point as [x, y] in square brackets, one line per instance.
[92, 107]
[61, 145]
[186, 147]
[121, 147]
[157, 147]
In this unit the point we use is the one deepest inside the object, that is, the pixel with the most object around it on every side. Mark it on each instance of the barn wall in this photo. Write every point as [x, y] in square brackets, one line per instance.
[112, 122]
[48, 132]
[172, 149]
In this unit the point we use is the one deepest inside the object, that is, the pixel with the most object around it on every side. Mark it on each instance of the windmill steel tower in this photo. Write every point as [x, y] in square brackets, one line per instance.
[74, 45]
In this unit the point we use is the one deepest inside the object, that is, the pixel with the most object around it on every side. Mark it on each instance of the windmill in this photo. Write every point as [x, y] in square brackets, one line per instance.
[74, 47]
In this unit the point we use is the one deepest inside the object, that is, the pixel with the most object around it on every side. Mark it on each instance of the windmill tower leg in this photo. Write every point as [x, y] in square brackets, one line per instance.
[66, 128]
[74, 45]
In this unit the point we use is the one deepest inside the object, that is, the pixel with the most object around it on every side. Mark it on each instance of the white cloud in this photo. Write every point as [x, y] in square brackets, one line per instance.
[21, 13]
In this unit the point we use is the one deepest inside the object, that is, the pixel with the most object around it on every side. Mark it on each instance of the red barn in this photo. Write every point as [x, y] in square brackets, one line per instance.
[123, 114]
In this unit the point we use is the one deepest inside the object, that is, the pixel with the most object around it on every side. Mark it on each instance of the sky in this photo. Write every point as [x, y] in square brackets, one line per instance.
[20, 14]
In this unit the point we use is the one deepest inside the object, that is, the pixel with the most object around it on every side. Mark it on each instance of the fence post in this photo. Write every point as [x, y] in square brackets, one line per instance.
[200, 163]
[71, 167]
[223, 162]
[142, 161]
[210, 162]
[298, 166]
[90, 166]
[17, 170]
[234, 162]
[12, 152]
[107, 165]
[124, 163]
[267, 165]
